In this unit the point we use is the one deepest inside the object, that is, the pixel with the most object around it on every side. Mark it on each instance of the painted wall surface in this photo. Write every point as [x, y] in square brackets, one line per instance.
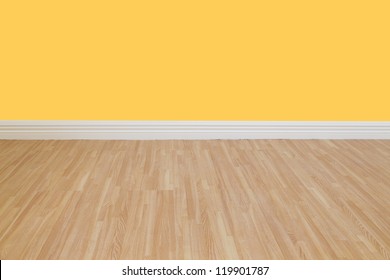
[195, 60]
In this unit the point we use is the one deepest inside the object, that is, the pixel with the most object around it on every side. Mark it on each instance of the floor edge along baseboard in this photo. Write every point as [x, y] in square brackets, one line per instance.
[192, 130]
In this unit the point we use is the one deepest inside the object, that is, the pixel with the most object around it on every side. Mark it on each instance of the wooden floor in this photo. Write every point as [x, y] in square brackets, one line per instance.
[217, 199]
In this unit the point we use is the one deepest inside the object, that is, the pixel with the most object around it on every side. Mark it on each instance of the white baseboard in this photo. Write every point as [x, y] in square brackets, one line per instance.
[147, 130]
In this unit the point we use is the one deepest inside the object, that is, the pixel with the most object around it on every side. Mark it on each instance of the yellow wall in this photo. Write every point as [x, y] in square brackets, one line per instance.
[195, 60]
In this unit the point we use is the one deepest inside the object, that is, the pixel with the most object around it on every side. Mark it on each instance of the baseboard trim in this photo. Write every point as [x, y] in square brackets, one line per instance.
[159, 130]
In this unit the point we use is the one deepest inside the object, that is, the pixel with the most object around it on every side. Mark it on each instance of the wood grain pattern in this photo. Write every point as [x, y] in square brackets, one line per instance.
[217, 199]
